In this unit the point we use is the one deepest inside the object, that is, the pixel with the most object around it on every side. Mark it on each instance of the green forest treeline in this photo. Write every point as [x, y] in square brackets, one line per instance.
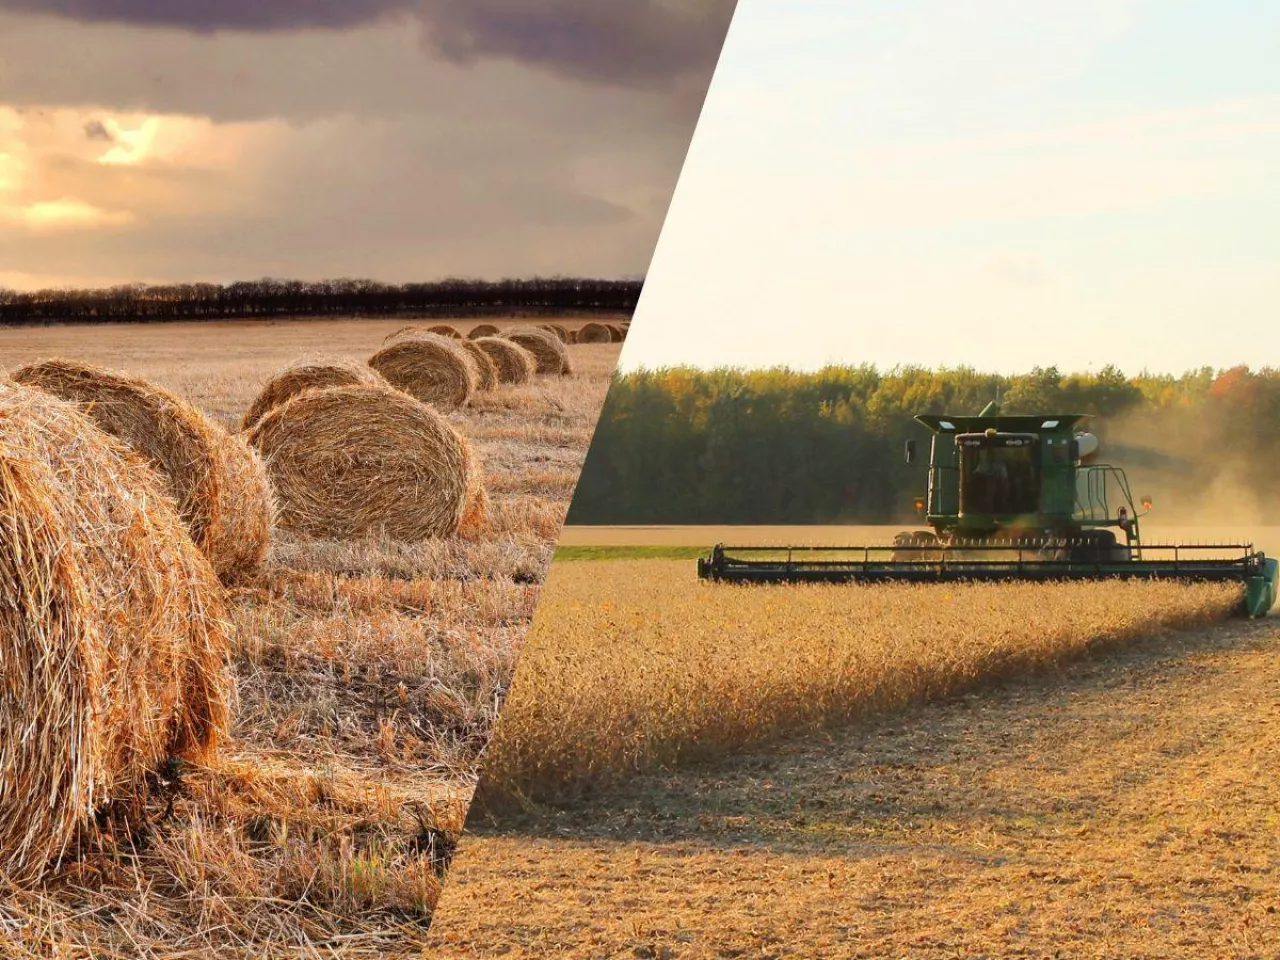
[776, 446]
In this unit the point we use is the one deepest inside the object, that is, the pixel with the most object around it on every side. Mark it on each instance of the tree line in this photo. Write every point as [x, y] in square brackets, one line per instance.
[775, 446]
[325, 298]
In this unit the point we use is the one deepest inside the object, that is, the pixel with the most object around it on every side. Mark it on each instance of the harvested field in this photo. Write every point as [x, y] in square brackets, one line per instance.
[874, 771]
[1123, 806]
[368, 671]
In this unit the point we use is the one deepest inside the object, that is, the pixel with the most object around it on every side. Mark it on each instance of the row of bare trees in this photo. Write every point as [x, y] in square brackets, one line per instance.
[297, 298]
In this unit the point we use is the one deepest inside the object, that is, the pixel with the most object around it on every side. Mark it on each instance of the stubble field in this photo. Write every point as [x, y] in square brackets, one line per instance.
[369, 674]
[695, 770]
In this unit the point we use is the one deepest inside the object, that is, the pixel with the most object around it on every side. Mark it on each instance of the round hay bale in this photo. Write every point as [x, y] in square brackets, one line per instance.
[483, 330]
[475, 513]
[309, 373]
[429, 367]
[547, 350]
[113, 635]
[515, 364]
[561, 333]
[412, 328]
[486, 369]
[593, 333]
[616, 333]
[217, 481]
[361, 461]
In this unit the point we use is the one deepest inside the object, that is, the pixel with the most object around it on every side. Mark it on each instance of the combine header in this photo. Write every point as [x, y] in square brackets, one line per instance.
[1012, 498]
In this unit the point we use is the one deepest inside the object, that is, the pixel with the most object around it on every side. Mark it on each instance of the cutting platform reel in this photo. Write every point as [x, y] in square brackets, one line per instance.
[929, 562]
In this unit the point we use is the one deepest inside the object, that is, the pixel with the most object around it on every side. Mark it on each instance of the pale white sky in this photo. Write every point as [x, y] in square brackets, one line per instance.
[995, 183]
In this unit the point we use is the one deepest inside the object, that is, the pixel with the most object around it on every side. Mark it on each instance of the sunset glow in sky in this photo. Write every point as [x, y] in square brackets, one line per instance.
[401, 140]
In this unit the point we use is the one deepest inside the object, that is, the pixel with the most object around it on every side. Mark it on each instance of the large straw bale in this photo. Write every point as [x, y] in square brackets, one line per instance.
[561, 332]
[515, 364]
[483, 330]
[309, 373]
[593, 333]
[113, 632]
[477, 505]
[432, 368]
[218, 482]
[363, 461]
[547, 350]
[617, 333]
[486, 369]
[416, 329]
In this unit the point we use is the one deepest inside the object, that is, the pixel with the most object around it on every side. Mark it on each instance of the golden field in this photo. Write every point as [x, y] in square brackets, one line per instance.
[369, 675]
[928, 771]
[637, 666]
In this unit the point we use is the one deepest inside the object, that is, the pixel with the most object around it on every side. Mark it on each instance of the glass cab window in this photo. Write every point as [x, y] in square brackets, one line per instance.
[999, 475]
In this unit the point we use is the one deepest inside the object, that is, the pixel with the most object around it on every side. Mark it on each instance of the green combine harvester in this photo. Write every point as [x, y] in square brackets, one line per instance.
[1012, 498]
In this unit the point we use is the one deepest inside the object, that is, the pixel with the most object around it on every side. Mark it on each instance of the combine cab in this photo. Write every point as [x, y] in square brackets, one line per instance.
[1012, 498]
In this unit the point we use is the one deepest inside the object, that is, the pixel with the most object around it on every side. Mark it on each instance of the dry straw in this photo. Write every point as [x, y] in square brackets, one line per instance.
[309, 373]
[486, 369]
[617, 332]
[483, 330]
[432, 368]
[593, 333]
[218, 482]
[440, 330]
[561, 333]
[547, 350]
[112, 630]
[476, 503]
[364, 461]
[515, 364]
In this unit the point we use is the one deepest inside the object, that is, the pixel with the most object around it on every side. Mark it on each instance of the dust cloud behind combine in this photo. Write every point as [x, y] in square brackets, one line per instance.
[1182, 461]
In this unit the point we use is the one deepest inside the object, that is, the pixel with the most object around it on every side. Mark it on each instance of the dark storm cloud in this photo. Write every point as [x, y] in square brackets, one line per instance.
[638, 42]
[206, 15]
[95, 130]
[623, 42]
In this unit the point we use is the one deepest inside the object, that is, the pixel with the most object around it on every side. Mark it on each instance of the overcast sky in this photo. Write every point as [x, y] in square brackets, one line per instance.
[996, 183]
[145, 140]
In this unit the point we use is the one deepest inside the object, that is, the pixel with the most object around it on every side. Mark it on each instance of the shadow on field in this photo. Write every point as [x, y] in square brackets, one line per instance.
[1024, 757]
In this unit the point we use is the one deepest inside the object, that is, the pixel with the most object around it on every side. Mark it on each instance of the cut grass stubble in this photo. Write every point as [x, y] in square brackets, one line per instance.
[636, 666]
